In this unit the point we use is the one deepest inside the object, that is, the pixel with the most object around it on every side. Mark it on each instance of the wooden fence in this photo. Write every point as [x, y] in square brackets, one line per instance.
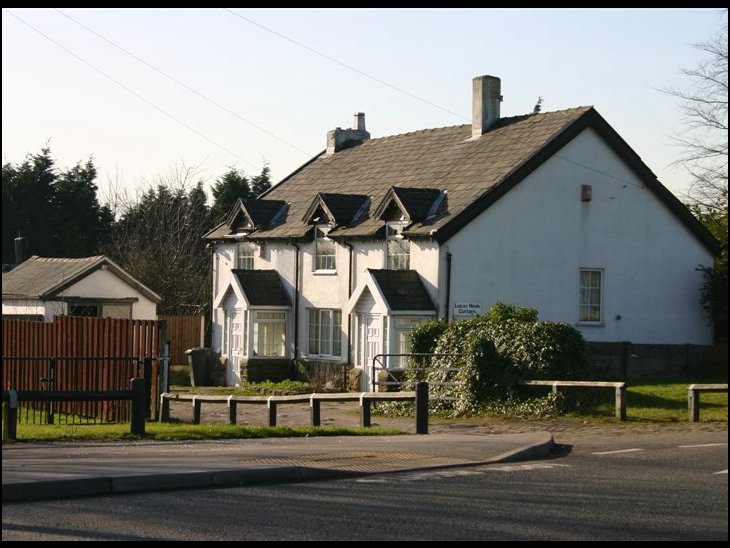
[73, 353]
[183, 332]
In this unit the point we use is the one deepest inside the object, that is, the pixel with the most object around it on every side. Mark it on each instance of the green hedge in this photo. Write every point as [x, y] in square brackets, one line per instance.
[498, 350]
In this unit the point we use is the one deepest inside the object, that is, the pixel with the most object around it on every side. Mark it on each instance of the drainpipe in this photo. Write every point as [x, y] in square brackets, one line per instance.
[448, 284]
[349, 294]
[296, 302]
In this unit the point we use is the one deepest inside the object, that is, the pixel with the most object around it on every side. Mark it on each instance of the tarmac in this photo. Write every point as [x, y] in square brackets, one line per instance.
[38, 471]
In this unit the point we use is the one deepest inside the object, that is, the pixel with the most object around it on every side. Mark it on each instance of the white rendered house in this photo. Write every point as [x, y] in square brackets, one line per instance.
[341, 259]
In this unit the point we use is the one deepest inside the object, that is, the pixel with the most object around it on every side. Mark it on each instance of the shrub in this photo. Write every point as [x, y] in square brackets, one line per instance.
[425, 336]
[497, 351]
[500, 312]
[463, 384]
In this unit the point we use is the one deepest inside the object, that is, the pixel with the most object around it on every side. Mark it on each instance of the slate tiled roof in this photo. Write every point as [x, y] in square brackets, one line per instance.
[473, 173]
[403, 289]
[262, 287]
[445, 159]
[44, 277]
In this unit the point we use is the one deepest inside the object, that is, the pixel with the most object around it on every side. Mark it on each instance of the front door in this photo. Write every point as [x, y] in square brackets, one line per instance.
[234, 343]
[372, 336]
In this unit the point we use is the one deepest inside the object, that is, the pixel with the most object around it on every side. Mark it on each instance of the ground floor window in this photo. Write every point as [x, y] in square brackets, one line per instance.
[591, 296]
[269, 334]
[325, 332]
[120, 310]
[402, 327]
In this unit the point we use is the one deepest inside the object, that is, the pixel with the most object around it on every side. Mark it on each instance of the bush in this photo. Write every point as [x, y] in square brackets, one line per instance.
[500, 312]
[497, 351]
[425, 336]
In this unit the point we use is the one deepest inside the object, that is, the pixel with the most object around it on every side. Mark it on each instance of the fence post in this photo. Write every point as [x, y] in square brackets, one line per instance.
[364, 411]
[232, 408]
[50, 415]
[164, 408]
[148, 378]
[139, 393]
[693, 401]
[314, 411]
[10, 428]
[196, 410]
[421, 407]
[621, 402]
[271, 405]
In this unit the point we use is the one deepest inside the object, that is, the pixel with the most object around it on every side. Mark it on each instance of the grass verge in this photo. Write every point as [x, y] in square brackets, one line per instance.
[181, 431]
[667, 402]
[657, 402]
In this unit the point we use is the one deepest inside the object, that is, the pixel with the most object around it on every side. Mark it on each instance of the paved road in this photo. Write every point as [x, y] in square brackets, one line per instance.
[639, 487]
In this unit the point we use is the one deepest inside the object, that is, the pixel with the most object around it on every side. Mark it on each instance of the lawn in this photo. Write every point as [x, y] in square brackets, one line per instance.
[667, 402]
[662, 401]
[659, 402]
[181, 431]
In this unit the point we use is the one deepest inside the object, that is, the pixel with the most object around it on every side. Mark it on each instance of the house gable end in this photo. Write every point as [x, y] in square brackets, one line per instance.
[590, 119]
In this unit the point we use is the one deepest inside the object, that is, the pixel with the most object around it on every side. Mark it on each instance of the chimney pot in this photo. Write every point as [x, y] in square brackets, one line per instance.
[486, 96]
[340, 139]
[359, 122]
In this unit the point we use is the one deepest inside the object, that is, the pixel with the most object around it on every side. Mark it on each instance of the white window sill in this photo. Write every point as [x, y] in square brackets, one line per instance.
[590, 324]
[324, 358]
[324, 272]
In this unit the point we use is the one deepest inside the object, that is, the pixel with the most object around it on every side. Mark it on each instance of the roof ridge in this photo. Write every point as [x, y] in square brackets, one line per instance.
[458, 126]
[67, 259]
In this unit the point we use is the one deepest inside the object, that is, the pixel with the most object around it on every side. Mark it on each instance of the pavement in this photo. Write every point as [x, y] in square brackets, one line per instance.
[36, 471]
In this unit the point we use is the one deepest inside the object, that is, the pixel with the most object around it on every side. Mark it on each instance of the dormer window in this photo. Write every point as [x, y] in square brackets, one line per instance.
[398, 249]
[324, 250]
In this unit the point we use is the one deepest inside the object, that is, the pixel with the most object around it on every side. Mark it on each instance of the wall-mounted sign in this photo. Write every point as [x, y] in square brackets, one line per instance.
[467, 310]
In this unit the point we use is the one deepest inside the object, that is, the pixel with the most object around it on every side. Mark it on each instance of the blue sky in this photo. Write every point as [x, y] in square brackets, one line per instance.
[616, 60]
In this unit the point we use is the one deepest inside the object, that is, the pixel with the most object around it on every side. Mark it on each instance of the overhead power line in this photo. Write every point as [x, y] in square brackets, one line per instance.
[184, 85]
[343, 64]
[129, 90]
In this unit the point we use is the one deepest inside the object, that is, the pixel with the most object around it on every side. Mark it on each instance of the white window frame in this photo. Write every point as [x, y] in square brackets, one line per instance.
[325, 250]
[262, 318]
[325, 344]
[402, 328]
[394, 239]
[245, 252]
[587, 292]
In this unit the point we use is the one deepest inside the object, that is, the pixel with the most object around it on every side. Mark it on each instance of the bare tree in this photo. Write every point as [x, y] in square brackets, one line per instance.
[704, 106]
[158, 239]
[704, 141]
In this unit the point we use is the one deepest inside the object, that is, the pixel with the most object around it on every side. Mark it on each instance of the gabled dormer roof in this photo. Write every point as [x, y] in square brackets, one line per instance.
[337, 209]
[414, 204]
[248, 216]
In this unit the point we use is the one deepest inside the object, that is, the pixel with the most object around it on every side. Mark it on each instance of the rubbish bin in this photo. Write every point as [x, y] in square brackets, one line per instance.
[199, 369]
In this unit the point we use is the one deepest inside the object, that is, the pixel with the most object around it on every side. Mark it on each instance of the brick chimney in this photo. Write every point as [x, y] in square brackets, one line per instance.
[340, 139]
[486, 96]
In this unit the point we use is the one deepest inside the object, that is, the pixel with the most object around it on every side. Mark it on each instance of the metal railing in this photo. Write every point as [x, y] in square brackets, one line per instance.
[380, 363]
[75, 374]
[137, 395]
